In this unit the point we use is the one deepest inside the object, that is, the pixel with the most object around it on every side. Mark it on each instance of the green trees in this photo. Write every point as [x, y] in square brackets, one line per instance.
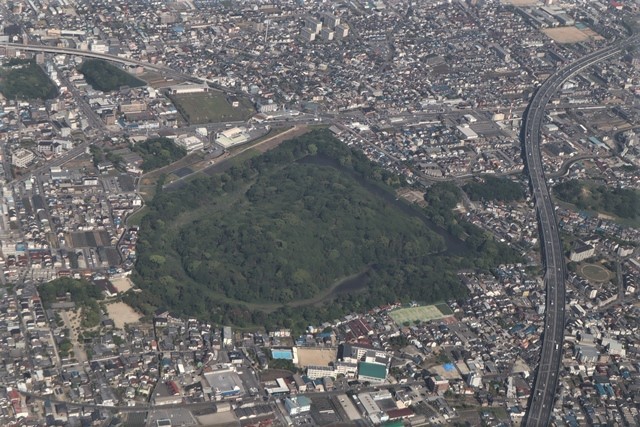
[26, 80]
[106, 77]
[83, 293]
[158, 152]
[274, 243]
[64, 347]
[80, 291]
[622, 202]
[441, 198]
[284, 226]
[493, 188]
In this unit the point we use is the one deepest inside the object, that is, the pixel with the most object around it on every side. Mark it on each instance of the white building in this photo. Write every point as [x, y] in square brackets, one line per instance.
[581, 251]
[189, 142]
[342, 31]
[466, 132]
[188, 88]
[22, 157]
[231, 137]
[98, 47]
[297, 405]
[313, 25]
[326, 34]
[315, 372]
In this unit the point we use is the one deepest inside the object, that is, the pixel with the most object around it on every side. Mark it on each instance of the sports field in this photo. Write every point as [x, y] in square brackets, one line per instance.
[316, 356]
[210, 107]
[411, 314]
[566, 34]
[595, 273]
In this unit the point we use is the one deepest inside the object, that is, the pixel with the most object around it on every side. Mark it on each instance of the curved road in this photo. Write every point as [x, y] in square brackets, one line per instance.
[546, 382]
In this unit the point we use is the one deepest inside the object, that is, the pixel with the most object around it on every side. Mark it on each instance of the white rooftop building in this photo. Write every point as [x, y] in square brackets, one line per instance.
[233, 136]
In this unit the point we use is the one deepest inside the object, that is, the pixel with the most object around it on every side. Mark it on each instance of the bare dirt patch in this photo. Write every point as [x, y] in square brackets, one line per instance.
[566, 34]
[316, 356]
[122, 284]
[590, 33]
[122, 314]
[412, 196]
[71, 320]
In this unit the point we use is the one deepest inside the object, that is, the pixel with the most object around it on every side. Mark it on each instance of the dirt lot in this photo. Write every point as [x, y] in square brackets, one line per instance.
[156, 81]
[413, 196]
[122, 284]
[71, 320]
[122, 314]
[316, 356]
[590, 33]
[566, 34]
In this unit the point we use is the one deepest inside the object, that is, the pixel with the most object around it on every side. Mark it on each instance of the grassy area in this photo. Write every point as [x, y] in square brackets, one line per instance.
[26, 80]
[498, 412]
[595, 273]
[244, 156]
[106, 77]
[444, 309]
[210, 107]
[136, 218]
[412, 314]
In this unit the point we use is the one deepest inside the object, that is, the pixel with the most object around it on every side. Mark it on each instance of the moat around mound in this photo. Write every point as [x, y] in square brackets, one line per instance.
[285, 230]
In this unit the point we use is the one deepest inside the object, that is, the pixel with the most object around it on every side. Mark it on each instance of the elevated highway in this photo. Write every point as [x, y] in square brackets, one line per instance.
[543, 395]
[163, 69]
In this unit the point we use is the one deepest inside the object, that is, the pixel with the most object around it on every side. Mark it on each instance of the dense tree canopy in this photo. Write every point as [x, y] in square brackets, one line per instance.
[158, 152]
[81, 291]
[623, 202]
[494, 188]
[284, 226]
[106, 77]
[294, 232]
[26, 80]
[84, 294]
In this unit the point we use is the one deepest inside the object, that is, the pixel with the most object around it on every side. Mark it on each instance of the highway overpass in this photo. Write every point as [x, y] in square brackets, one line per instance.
[163, 69]
[542, 399]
